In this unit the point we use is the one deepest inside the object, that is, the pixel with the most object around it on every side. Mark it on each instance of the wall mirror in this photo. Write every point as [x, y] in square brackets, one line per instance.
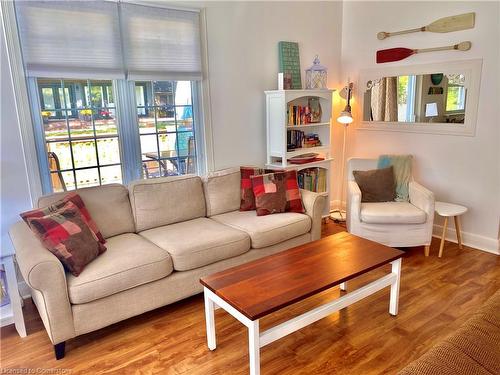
[430, 98]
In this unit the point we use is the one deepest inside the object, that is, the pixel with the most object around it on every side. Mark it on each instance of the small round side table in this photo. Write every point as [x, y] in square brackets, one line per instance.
[447, 210]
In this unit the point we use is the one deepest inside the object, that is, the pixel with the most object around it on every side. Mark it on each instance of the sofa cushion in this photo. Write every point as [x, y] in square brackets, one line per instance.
[108, 205]
[130, 260]
[222, 191]
[168, 200]
[196, 243]
[392, 213]
[266, 230]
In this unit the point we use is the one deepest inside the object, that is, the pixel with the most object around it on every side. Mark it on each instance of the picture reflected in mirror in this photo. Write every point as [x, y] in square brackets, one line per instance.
[434, 98]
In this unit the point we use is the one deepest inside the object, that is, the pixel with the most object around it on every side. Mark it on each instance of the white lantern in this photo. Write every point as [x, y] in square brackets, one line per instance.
[316, 75]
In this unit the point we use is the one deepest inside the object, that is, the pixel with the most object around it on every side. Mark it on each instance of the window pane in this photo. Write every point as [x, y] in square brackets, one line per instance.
[164, 92]
[168, 146]
[81, 126]
[85, 109]
[109, 151]
[169, 167]
[167, 128]
[104, 121]
[186, 143]
[151, 169]
[183, 93]
[111, 175]
[60, 153]
[149, 147]
[84, 154]
[87, 177]
[184, 116]
[165, 119]
[62, 181]
[55, 128]
[146, 117]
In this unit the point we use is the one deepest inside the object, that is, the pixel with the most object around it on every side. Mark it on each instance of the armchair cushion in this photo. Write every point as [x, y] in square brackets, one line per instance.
[392, 213]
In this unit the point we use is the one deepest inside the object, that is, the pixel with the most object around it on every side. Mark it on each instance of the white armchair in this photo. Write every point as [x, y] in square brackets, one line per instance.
[397, 224]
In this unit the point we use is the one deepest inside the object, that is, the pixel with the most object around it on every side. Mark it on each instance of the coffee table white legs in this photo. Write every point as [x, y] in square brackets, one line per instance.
[210, 322]
[257, 339]
[254, 347]
[393, 303]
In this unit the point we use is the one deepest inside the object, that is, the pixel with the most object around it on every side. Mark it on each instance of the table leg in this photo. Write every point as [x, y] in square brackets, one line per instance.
[15, 299]
[343, 286]
[393, 304]
[254, 347]
[210, 322]
[457, 229]
[443, 236]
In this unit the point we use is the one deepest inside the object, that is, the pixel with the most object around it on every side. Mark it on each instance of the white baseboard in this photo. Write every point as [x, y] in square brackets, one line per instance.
[490, 245]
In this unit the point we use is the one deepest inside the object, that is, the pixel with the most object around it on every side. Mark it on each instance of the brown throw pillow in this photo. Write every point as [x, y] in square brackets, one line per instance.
[277, 192]
[376, 185]
[66, 234]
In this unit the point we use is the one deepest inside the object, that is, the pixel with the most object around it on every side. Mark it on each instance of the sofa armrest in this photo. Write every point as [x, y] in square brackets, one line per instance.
[422, 198]
[353, 209]
[314, 205]
[45, 275]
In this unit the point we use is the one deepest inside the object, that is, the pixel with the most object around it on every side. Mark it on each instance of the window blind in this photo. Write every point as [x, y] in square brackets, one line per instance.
[108, 39]
[161, 43]
[70, 39]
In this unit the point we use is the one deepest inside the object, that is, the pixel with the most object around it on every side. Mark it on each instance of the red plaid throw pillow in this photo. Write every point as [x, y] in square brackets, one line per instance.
[78, 202]
[247, 196]
[65, 234]
[277, 192]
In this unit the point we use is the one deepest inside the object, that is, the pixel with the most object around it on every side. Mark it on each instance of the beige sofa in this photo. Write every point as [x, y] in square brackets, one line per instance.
[162, 236]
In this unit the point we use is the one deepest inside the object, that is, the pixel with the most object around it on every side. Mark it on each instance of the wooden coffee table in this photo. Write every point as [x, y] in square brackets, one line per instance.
[256, 289]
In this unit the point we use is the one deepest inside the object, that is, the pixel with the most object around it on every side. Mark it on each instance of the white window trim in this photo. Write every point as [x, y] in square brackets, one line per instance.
[205, 158]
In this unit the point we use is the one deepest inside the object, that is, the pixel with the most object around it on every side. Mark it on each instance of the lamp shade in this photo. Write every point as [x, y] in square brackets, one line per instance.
[345, 117]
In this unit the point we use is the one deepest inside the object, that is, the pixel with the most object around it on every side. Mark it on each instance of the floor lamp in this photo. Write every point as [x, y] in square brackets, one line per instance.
[345, 119]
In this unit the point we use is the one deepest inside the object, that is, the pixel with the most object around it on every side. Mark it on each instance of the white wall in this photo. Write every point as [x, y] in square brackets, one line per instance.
[15, 197]
[464, 170]
[243, 62]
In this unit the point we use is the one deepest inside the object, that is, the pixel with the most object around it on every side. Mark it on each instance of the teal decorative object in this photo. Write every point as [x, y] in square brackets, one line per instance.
[289, 60]
[436, 78]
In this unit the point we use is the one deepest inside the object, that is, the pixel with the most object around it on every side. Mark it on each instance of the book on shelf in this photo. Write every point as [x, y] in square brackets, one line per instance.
[312, 179]
[299, 139]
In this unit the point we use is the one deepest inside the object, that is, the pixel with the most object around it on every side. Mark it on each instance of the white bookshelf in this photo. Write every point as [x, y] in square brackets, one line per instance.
[277, 126]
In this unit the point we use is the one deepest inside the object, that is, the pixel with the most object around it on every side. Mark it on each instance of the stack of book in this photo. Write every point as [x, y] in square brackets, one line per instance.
[299, 115]
[299, 139]
[312, 179]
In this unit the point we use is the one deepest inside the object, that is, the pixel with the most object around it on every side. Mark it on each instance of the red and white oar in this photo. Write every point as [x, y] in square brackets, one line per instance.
[396, 54]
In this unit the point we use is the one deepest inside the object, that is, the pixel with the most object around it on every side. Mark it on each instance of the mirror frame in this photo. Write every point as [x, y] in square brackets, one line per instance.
[472, 70]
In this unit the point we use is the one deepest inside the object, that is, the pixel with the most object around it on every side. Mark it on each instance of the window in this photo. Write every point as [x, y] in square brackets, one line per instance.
[116, 101]
[166, 127]
[406, 98]
[80, 133]
[455, 94]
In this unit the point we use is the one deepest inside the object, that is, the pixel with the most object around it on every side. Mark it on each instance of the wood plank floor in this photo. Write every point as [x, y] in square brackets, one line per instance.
[437, 296]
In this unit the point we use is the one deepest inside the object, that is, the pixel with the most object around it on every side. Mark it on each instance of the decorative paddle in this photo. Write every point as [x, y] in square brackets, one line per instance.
[442, 25]
[396, 54]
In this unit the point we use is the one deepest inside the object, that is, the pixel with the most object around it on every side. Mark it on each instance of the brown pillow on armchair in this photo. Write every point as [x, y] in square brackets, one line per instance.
[376, 185]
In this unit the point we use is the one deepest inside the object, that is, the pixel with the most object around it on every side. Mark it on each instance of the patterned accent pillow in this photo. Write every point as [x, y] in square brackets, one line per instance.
[66, 234]
[247, 196]
[277, 192]
[78, 202]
